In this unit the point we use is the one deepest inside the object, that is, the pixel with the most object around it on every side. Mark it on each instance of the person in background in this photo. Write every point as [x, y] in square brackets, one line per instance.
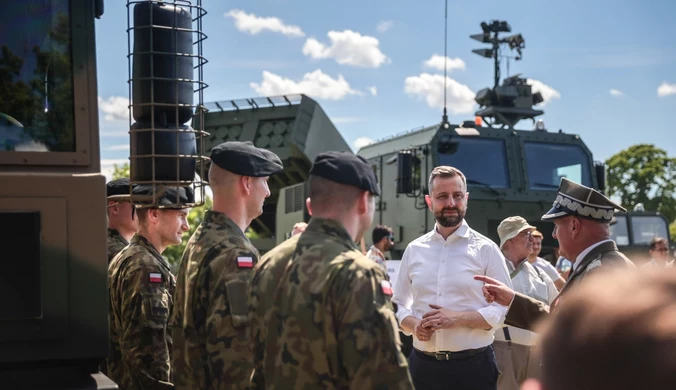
[659, 253]
[121, 222]
[553, 257]
[383, 241]
[543, 264]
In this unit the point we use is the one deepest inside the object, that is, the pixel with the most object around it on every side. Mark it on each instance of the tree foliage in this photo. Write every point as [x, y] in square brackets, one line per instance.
[120, 171]
[644, 174]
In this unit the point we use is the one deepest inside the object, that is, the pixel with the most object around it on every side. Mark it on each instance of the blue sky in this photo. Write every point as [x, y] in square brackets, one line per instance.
[608, 67]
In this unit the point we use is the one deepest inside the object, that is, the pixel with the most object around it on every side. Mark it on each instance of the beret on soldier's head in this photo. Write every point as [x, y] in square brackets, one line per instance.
[171, 197]
[243, 158]
[118, 188]
[346, 168]
[582, 201]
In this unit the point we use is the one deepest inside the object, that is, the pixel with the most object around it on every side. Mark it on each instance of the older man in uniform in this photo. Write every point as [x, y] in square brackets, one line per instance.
[141, 287]
[582, 217]
[210, 324]
[121, 222]
[321, 311]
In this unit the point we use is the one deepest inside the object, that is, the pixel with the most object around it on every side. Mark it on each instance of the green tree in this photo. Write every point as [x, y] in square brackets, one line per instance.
[672, 231]
[644, 174]
[120, 171]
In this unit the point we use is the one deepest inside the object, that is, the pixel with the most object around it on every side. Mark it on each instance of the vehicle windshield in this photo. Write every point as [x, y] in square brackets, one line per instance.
[619, 231]
[36, 81]
[547, 163]
[646, 227]
[482, 159]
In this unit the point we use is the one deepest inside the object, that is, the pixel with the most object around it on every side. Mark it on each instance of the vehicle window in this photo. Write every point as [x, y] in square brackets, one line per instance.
[547, 163]
[36, 81]
[645, 228]
[482, 160]
[618, 230]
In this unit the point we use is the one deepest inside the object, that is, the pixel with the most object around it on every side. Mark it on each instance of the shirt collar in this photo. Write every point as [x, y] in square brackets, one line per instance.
[586, 252]
[116, 234]
[144, 242]
[222, 220]
[461, 232]
[377, 251]
[331, 228]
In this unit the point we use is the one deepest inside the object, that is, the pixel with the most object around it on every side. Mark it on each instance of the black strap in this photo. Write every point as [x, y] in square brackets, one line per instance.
[507, 337]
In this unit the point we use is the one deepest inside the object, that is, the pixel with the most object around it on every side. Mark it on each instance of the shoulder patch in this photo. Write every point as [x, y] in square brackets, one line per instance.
[594, 264]
[155, 277]
[244, 261]
[386, 287]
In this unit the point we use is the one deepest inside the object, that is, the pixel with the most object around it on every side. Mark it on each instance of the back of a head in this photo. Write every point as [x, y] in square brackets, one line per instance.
[617, 331]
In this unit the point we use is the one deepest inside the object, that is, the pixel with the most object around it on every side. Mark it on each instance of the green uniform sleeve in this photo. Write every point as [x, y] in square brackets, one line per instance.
[145, 339]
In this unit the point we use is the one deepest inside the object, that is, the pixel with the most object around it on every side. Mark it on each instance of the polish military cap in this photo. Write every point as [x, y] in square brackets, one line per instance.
[160, 196]
[118, 189]
[243, 158]
[346, 168]
[576, 199]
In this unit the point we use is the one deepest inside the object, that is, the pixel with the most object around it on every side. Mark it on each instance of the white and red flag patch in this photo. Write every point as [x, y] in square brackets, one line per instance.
[387, 287]
[155, 277]
[245, 262]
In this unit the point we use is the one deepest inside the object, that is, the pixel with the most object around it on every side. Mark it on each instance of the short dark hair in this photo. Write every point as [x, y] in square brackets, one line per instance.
[657, 240]
[380, 232]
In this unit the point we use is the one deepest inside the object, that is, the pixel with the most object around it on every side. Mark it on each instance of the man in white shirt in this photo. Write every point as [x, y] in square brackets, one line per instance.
[543, 264]
[438, 300]
[659, 253]
[383, 241]
[516, 361]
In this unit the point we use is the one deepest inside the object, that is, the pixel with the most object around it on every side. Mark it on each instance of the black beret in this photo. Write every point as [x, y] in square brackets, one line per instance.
[165, 196]
[582, 201]
[243, 158]
[118, 188]
[346, 168]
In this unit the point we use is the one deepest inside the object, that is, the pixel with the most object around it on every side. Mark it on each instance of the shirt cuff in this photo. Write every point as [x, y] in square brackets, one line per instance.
[493, 315]
[402, 313]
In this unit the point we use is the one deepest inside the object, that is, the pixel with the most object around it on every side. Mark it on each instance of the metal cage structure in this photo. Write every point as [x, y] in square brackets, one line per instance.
[166, 99]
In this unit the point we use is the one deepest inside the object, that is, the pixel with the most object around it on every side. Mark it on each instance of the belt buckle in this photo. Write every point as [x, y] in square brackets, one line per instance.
[442, 355]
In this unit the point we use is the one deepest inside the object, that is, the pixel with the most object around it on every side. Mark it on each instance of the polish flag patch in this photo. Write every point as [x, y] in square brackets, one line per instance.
[387, 287]
[245, 262]
[155, 277]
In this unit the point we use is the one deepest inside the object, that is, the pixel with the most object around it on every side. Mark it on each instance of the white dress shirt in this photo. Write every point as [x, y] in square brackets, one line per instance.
[584, 253]
[438, 271]
[536, 285]
[547, 267]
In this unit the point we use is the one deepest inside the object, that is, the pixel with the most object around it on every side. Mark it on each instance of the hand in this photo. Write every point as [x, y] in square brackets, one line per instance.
[440, 318]
[422, 333]
[495, 291]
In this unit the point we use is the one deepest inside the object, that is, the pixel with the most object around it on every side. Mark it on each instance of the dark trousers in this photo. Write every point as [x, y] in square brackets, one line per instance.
[463, 371]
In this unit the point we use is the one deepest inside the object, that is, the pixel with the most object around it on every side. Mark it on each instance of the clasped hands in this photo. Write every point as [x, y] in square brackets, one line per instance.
[437, 319]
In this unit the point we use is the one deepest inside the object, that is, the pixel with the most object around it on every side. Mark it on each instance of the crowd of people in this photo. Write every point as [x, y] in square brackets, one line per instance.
[319, 312]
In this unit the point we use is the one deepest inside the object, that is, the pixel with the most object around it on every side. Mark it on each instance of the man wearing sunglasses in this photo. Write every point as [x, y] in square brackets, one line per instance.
[659, 253]
[122, 223]
[383, 241]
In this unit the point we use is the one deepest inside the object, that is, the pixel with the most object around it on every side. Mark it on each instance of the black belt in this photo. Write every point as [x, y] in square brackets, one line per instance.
[450, 355]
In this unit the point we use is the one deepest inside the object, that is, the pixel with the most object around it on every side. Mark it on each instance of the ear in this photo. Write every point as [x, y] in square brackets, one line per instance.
[154, 215]
[428, 200]
[112, 207]
[246, 184]
[363, 203]
[308, 204]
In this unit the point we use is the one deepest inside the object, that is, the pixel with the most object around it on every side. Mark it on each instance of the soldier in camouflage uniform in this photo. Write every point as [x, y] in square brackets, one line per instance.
[141, 288]
[210, 320]
[121, 222]
[320, 310]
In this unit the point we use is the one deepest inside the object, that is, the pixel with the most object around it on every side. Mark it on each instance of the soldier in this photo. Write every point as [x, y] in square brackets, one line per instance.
[210, 322]
[582, 218]
[141, 288]
[121, 222]
[320, 309]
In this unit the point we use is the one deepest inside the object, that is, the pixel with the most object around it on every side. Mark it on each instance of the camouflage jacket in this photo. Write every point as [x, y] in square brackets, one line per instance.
[210, 321]
[524, 312]
[115, 243]
[322, 316]
[140, 287]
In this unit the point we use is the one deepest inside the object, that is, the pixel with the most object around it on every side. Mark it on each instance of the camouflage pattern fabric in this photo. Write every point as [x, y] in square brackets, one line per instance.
[322, 316]
[140, 289]
[115, 243]
[210, 322]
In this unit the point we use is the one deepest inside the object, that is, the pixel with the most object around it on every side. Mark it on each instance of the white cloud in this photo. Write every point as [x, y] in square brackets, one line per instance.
[362, 141]
[373, 90]
[114, 108]
[666, 89]
[431, 88]
[118, 147]
[348, 48]
[114, 133]
[253, 24]
[548, 93]
[384, 25]
[316, 84]
[616, 92]
[437, 62]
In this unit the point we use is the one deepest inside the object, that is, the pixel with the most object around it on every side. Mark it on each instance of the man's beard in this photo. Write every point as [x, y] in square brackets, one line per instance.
[450, 221]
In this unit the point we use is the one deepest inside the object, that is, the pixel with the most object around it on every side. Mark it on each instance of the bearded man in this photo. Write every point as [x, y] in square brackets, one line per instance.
[452, 324]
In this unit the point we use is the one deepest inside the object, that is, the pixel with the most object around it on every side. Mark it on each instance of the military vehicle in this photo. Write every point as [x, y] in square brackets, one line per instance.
[633, 231]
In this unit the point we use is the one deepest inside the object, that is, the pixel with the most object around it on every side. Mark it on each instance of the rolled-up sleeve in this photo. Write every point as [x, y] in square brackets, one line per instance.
[403, 296]
[494, 313]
